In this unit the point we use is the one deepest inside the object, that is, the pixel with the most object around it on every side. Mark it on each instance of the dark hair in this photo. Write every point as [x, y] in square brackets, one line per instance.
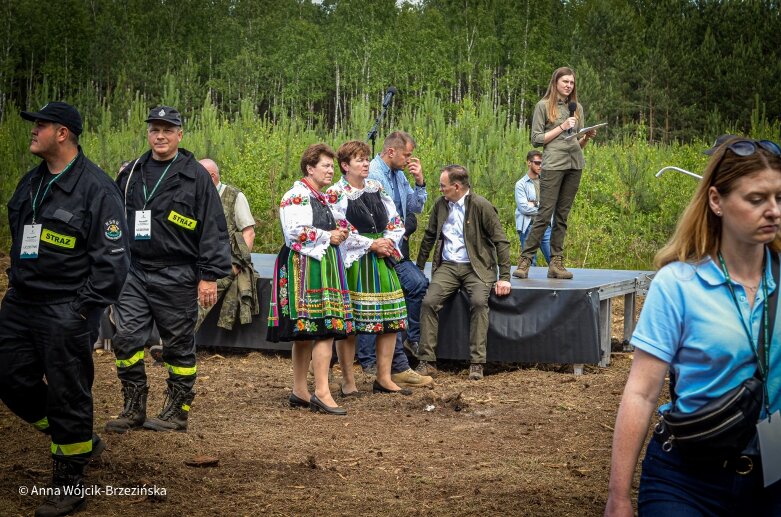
[457, 174]
[352, 149]
[312, 155]
[698, 233]
[531, 154]
[398, 139]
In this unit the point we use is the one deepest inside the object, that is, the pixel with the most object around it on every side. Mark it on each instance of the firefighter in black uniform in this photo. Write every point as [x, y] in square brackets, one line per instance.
[69, 259]
[179, 244]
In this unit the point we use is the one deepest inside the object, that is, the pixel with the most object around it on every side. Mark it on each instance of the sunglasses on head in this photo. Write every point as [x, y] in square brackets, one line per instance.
[747, 147]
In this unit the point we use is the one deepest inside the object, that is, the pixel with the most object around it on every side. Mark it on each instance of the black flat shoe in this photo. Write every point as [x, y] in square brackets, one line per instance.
[354, 394]
[296, 401]
[315, 404]
[379, 388]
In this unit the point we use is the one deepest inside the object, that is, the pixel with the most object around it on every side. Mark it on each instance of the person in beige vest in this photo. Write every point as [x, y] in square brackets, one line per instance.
[241, 300]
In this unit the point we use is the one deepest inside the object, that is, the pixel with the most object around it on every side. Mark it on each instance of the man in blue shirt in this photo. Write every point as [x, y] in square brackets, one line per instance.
[527, 203]
[388, 168]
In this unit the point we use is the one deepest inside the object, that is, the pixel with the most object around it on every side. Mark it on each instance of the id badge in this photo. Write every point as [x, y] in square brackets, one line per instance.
[31, 238]
[769, 431]
[143, 230]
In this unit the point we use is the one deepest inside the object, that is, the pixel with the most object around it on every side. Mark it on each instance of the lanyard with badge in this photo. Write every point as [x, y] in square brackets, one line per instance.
[143, 229]
[31, 237]
[769, 428]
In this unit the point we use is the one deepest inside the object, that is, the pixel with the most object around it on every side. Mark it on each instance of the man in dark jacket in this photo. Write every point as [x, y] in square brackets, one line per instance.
[69, 259]
[470, 242]
[179, 244]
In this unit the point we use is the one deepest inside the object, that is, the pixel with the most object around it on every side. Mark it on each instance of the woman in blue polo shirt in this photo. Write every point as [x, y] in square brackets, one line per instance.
[692, 324]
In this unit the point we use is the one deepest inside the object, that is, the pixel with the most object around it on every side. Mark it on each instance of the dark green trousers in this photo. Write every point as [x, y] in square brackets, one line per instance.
[557, 193]
[446, 280]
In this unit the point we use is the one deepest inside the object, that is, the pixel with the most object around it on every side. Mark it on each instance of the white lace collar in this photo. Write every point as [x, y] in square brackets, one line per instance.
[353, 193]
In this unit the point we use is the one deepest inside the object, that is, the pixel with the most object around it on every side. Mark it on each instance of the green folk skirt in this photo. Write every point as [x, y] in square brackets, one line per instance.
[309, 298]
[376, 295]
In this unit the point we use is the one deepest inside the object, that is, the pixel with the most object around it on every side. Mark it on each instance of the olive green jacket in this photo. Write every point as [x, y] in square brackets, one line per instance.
[558, 154]
[486, 242]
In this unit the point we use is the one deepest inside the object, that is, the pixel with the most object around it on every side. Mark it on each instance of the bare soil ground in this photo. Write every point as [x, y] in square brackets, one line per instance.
[527, 440]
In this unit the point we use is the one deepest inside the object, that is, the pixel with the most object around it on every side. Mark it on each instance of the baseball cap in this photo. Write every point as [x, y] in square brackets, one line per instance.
[58, 112]
[165, 114]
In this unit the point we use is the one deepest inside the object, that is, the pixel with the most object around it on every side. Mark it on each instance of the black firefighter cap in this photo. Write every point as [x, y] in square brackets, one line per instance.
[165, 114]
[58, 112]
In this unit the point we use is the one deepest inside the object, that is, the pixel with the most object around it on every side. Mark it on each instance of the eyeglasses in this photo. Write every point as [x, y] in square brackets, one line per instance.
[747, 147]
[537, 163]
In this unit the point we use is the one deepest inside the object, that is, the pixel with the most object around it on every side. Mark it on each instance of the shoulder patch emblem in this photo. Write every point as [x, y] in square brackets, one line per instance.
[113, 230]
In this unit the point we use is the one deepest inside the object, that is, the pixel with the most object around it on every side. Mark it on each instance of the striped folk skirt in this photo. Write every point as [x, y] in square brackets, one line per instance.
[309, 298]
[377, 298]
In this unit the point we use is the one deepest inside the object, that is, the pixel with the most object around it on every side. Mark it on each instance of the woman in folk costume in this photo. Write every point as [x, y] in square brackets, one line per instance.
[369, 254]
[310, 304]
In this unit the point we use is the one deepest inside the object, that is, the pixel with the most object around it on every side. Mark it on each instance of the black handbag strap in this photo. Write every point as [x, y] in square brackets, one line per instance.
[772, 306]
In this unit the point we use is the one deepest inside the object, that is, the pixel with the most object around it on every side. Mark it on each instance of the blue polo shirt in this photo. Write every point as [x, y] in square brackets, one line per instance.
[690, 321]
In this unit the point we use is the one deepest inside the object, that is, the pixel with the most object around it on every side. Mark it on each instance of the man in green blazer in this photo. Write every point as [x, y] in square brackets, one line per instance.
[469, 242]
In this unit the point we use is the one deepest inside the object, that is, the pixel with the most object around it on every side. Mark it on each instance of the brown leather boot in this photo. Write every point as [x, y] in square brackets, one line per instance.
[523, 268]
[557, 270]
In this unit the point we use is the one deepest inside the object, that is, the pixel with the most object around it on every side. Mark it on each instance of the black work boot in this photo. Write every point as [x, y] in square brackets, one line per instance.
[176, 407]
[134, 414]
[67, 490]
[98, 446]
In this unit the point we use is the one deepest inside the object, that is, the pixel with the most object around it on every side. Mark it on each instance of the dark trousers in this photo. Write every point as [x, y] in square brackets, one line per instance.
[48, 340]
[107, 329]
[446, 280]
[672, 487]
[167, 296]
[557, 193]
[544, 243]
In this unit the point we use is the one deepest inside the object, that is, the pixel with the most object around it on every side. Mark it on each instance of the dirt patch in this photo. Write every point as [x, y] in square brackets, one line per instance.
[524, 441]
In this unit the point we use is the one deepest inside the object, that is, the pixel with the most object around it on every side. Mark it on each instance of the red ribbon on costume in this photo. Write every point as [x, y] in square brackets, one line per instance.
[318, 195]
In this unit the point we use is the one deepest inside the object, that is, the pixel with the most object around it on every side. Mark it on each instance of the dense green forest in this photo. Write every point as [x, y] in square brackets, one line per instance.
[682, 68]
[259, 80]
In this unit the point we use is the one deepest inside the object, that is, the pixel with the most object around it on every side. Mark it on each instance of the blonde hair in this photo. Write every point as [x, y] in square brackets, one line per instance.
[698, 233]
[551, 94]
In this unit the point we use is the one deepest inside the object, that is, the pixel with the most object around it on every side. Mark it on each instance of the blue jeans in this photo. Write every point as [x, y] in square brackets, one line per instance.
[671, 487]
[544, 243]
[414, 283]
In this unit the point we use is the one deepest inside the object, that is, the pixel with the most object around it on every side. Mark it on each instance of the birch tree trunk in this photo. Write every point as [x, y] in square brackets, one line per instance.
[336, 100]
[523, 66]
